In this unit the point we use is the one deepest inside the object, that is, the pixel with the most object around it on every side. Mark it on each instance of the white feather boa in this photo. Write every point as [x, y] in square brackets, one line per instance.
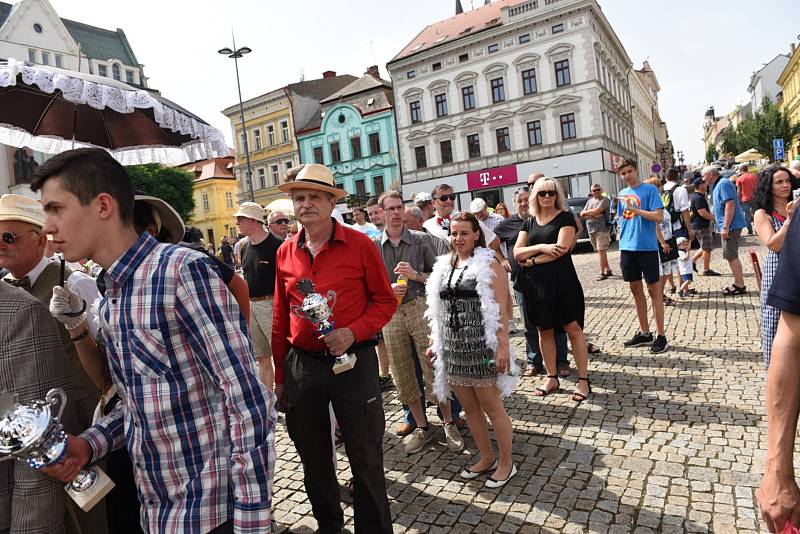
[480, 269]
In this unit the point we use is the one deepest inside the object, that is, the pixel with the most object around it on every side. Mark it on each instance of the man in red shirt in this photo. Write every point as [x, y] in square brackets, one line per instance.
[326, 256]
[746, 184]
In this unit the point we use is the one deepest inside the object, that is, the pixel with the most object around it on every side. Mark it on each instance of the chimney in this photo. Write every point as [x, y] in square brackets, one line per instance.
[329, 74]
[459, 9]
[373, 71]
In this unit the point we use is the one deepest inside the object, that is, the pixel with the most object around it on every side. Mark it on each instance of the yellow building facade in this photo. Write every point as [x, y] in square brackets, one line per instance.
[216, 194]
[789, 80]
[271, 142]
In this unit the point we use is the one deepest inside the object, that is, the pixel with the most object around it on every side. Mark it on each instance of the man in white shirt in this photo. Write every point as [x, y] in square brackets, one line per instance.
[491, 220]
[424, 201]
[361, 224]
[444, 201]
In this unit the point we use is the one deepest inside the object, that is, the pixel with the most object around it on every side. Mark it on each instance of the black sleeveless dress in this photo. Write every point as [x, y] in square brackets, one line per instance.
[553, 292]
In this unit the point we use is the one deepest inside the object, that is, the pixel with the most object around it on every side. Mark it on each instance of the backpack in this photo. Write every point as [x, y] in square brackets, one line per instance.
[669, 204]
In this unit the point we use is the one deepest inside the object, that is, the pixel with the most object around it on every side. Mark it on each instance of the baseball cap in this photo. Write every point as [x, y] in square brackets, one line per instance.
[422, 197]
[697, 181]
[477, 204]
[681, 240]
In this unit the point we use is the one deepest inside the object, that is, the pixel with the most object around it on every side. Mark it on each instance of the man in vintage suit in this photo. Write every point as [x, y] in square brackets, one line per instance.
[31, 363]
[22, 252]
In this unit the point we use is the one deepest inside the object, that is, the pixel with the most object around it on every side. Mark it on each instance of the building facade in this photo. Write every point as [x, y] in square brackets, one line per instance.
[489, 96]
[32, 31]
[764, 82]
[644, 101]
[789, 80]
[356, 137]
[216, 192]
[270, 122]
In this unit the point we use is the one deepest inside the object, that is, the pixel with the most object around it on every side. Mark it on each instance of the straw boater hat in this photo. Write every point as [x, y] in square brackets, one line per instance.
[165, 216]
[317, 177]
[21, 208]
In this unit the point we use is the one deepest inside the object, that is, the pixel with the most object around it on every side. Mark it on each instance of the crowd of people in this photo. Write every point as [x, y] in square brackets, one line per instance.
[176, 365]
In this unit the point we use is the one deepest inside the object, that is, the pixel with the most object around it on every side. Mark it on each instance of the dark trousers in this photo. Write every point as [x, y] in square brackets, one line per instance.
[309, 386]
[408, 417]
[224, 528]
[534, 354]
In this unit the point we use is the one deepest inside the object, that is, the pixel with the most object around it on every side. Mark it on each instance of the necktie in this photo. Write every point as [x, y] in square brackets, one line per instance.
[24, 282]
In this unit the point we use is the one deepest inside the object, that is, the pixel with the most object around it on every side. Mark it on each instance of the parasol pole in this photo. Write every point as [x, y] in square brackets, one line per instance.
[75, 111]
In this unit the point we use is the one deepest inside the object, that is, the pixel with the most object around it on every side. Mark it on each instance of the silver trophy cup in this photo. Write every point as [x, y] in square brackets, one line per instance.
[319, 310]
[30, 433]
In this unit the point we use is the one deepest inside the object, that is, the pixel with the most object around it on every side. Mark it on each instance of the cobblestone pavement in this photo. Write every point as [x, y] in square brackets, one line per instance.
[667, 443]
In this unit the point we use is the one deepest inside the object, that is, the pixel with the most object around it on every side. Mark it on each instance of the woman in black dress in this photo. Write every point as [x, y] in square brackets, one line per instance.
[553, 292]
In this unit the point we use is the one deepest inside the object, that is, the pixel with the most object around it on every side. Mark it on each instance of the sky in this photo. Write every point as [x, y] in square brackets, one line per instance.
[702, 51]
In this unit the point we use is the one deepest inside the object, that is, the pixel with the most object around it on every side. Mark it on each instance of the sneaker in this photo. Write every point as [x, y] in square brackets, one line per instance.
[711, 272]
[419, 438]
[659, 345]
[454, 440]
[639, 339]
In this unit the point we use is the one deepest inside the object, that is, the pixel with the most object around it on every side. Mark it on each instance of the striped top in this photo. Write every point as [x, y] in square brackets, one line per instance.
[198, 424]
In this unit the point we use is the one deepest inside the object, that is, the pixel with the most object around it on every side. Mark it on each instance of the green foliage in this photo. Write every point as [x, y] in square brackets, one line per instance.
[711, 154]
[758, 131]
[171, 184]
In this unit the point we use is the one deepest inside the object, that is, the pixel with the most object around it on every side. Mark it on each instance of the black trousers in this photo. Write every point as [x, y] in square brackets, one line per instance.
[309, 385]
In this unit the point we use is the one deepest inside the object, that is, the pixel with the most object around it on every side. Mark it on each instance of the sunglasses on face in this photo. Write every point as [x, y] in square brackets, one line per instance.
[445, 198]
[542, 194]
[596, 190]
[11, 238]
[281, 221]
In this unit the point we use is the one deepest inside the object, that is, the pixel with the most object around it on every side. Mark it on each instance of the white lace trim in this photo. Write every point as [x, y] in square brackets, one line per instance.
[208, 141]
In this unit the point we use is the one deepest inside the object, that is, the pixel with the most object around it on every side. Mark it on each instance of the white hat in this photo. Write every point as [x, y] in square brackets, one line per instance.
[314, 176]
[681, 240]
[21, 208]
[422, 197]
[477, 205]
[251, 210]
[165, 216]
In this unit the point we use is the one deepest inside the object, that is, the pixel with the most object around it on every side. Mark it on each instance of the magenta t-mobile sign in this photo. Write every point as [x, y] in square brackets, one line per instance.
[496, 177]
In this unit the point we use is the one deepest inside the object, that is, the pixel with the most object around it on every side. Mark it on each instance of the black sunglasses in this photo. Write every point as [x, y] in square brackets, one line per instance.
[596, 190]
[543, 194]
[11, 238]
[280, 221]
[445, 198]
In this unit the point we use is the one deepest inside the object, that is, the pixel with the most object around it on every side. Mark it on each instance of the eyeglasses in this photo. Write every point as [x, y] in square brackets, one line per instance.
[10, 238]
[280, 221]
[445, 198]
[542, 194]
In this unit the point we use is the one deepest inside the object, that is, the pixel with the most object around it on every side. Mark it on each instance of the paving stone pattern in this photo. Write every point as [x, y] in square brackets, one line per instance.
[667, 443]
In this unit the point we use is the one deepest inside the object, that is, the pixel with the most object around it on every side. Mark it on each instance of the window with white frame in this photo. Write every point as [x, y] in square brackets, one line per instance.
[102, 70]
[45, 58]
[129, 76]
[270, 134]
[59, 61]
[257, 138]
[206, 206]
[287, 165]
[115, 72]
[32, 55]
[275, 175]
[262, 178]
[284, 131]
[228, 199]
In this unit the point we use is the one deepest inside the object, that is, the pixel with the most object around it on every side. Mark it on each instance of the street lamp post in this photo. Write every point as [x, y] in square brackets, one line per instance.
[235, 54]
[680, 157]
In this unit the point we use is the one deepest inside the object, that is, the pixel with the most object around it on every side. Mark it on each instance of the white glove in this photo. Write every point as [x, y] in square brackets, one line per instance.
[63, 304]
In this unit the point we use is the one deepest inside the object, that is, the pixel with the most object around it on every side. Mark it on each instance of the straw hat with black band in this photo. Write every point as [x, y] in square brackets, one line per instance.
[168, 223]
[317, 177]
[21, 208]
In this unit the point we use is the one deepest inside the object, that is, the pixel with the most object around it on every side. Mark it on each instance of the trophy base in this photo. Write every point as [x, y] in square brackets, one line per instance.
[89, 487]
[344, 363]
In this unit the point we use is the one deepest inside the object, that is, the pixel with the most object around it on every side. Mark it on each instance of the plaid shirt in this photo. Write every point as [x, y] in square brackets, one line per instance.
[199, 425]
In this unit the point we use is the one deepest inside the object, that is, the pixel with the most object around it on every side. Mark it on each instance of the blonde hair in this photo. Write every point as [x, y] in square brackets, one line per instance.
[543, 184]
[654, 180]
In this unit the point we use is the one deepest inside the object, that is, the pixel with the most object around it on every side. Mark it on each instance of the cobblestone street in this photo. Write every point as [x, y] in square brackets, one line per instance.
[667, 443]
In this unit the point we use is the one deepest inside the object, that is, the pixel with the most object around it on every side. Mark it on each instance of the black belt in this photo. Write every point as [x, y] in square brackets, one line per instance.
[326, 354]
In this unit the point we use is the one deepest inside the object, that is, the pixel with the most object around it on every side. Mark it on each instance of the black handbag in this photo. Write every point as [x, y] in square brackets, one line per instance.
[673, 250]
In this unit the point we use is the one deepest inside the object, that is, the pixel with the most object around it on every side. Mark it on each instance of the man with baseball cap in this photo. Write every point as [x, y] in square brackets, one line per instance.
[258, 265]
[479, 209]
[701, 219]
[326, 257]
[424, 201]
[22, 252]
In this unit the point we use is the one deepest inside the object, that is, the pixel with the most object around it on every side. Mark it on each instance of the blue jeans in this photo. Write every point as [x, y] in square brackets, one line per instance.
[534, 354]
[408, 417]
[747, 210]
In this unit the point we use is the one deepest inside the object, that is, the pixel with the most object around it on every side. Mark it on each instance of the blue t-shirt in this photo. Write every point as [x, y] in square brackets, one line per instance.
[636, 233]
[724, 192]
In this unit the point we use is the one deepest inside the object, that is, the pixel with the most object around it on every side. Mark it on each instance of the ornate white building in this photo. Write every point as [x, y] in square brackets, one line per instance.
[487, 97]
[32, 31]
[644, 109]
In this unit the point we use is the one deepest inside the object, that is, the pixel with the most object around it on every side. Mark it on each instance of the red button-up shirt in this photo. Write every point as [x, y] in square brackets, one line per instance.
[349, 264]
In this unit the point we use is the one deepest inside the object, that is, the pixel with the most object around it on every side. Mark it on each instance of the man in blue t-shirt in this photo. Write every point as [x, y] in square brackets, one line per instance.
[730, 221]
[639, 209]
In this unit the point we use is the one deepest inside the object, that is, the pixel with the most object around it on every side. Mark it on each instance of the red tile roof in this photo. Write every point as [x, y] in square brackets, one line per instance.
[448, 30]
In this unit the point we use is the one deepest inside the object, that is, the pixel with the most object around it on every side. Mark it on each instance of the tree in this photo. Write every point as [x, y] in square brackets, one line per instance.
[170, 184]
[758, 131]
[711, 154]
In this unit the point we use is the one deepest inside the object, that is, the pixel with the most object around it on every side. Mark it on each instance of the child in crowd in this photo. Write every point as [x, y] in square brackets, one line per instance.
[685, 265]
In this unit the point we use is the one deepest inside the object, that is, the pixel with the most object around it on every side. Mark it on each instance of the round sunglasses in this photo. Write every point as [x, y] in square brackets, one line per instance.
[10, 238]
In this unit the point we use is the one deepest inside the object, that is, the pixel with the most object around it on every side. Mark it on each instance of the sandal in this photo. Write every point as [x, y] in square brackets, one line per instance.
[668, 301]
[591, 348]
[579, 397]
[734, 290]
[545, 392]
[601, 277]
[609, 274]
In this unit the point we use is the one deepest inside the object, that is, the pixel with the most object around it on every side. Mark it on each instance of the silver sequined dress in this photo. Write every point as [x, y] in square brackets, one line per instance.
[464, 349]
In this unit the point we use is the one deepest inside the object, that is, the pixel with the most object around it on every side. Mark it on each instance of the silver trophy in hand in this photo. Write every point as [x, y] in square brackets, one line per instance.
[319, 310]
[30, 433]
